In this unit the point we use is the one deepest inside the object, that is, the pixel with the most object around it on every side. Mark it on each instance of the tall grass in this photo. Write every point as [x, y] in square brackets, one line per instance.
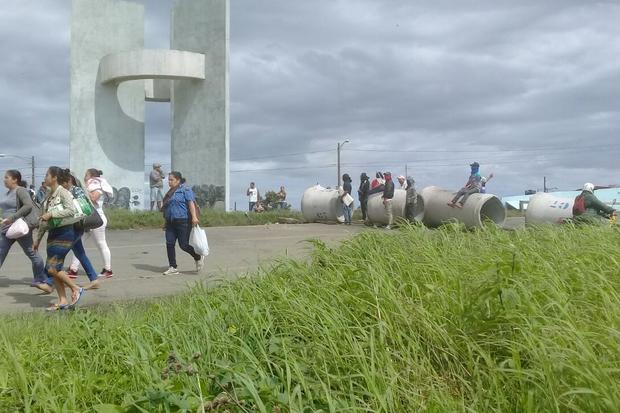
[126, 219]
[413, 320]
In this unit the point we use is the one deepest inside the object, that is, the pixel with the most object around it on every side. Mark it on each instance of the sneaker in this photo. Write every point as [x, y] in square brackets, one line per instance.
[388, 227]
[72, 274]
[172, 271]
[200, 264]
[106, 273]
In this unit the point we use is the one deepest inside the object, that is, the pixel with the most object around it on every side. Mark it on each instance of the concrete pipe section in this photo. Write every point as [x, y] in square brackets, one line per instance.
[544, 208]
[320, 204]
[477, 209]
[376, 209]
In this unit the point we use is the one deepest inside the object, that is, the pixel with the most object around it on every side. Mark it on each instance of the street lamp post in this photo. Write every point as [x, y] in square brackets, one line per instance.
[340, 145]
[26, 158]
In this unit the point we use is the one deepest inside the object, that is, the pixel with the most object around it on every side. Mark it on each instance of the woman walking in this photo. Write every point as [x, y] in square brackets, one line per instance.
[15, 204]
[79, 252]
[179, 210]
[96, 187]
[56, 217]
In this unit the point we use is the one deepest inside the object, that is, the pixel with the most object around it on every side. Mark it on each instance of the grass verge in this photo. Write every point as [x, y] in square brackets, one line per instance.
[412, 320]
[125, 219]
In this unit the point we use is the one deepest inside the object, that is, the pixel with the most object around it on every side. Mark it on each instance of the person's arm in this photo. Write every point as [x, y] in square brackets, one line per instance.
[247, 192]
[23, 198]
[190, 198]
[600, 206]
[95, 195]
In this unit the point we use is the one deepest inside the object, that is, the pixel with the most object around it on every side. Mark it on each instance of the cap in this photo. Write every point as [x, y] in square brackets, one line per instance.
[474, 164]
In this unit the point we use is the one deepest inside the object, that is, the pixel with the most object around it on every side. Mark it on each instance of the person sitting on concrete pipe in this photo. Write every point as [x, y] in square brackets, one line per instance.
[589, 209]
[377, 184]
[411, 200]
[483, 183]
[388, 195]
[471, 187]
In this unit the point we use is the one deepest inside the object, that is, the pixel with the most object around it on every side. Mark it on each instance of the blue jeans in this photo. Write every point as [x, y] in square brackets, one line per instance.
[178, 229]
[282, 204]
[348, 213]
[38, 267]
[251, 206]
[80, 254]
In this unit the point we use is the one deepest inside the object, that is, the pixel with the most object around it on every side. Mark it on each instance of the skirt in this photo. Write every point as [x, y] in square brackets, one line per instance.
[59, 242]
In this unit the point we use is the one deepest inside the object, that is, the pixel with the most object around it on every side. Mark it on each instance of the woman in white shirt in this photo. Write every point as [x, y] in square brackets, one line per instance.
[97, 186]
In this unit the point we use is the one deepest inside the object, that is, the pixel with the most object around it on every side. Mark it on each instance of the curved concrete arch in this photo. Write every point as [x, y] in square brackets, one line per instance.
[151, 64]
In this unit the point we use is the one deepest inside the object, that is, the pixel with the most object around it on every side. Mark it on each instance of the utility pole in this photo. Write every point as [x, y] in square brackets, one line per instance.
[406, 173]
[32, 164]
[340, 145]
[544, 184]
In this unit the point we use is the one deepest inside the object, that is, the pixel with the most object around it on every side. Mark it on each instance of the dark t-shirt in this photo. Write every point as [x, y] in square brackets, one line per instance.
[347, 187]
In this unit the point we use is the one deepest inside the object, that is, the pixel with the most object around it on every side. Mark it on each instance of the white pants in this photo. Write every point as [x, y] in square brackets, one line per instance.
[98, 235]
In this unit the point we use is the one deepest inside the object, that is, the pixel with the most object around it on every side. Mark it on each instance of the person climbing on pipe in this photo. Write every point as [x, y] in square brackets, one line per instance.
[472, 186]
[588, 209]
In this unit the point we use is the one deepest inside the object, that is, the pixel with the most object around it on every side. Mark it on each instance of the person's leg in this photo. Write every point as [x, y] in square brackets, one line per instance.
[38, 266]
[251, 206]
[388, 210]
[349, 214]
[80, 254]
[183, 232]
[100, 241]
[5, 246]
[171, 239]
[468, 194]
[364, 206]
[459, 194]
[75, 263]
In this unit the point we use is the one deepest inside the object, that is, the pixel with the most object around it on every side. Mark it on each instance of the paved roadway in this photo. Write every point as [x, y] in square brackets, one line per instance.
[139, 258]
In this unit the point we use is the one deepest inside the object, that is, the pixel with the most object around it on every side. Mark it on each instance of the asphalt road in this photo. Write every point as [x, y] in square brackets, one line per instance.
[139, 258]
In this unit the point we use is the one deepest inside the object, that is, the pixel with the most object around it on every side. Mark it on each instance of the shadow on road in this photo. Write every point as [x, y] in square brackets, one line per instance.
[8, 282]
[35, 300]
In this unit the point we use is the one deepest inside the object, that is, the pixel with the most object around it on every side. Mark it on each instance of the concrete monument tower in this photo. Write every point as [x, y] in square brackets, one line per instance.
[112, 75]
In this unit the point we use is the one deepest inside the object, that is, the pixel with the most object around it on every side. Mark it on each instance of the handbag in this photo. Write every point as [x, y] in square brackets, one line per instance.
[17, 229]
[32, 219]
[93, 221]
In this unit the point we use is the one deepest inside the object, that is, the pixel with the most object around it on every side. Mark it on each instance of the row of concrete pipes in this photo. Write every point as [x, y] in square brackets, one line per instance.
[320, 204]
[323, 205]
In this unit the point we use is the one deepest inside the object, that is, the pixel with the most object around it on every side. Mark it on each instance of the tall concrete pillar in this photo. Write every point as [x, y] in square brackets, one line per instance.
[107, 120]
[200, 110]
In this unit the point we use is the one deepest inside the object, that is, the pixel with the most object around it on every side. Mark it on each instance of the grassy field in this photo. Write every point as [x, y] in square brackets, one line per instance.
[125, 219]
[403, 321]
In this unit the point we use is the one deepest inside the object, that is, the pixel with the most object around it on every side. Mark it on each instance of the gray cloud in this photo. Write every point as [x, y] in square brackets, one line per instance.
[519, 86]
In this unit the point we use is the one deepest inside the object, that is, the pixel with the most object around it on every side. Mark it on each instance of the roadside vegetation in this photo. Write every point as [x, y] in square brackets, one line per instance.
[403, 321]
[126, 219]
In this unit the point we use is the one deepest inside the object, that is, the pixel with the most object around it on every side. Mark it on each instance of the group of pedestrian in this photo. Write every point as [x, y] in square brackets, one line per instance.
[256, 202]
[58, 210]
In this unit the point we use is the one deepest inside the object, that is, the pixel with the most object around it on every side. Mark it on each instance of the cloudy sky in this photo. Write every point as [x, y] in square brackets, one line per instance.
[528, 89]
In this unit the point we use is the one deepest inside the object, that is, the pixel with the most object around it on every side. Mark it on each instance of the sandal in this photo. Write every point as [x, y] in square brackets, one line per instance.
[77, 299]
[57, 307]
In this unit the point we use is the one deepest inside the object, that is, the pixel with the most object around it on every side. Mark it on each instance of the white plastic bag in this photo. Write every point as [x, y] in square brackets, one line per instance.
[17, 229]
[198, 240]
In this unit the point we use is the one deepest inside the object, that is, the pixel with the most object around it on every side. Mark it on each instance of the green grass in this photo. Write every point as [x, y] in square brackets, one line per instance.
[406, 321]
[125, 219]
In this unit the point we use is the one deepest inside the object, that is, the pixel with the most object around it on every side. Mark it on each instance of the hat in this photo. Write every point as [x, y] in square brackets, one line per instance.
[156, 165]
[474, 164]
[588, 187]
[401, 177]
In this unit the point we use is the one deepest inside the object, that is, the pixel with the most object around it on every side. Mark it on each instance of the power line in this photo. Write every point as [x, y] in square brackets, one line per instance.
[281, 155]
[554, 148]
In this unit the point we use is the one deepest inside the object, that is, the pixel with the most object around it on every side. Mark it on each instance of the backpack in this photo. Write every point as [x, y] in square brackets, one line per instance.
[579, 207]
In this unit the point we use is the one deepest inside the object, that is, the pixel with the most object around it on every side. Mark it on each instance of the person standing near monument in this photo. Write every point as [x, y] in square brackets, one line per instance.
[362, 194]
[156, 182]
[179, 208]
[97, 187]
[253, 196]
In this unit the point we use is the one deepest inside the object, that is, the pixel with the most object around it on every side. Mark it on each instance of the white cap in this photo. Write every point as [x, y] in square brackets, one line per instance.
[588, 187]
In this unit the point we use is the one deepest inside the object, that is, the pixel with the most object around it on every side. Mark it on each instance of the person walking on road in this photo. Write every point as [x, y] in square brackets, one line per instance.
[97, 187]
[15, 204]
[388, 195]
[253, 196]
[472, 186]
[347, 201]
[57, 214]
[180, 214]
[156, 183]
[362, 195]
[71, 185]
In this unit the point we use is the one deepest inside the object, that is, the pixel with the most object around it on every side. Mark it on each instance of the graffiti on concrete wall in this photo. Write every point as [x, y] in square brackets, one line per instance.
[122, 199]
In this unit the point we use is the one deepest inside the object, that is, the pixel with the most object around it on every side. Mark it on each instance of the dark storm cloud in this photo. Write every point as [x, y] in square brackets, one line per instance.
[519, 86]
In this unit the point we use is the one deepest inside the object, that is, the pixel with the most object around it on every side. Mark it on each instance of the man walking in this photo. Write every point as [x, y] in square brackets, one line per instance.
[156, 182]
[388, 195]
